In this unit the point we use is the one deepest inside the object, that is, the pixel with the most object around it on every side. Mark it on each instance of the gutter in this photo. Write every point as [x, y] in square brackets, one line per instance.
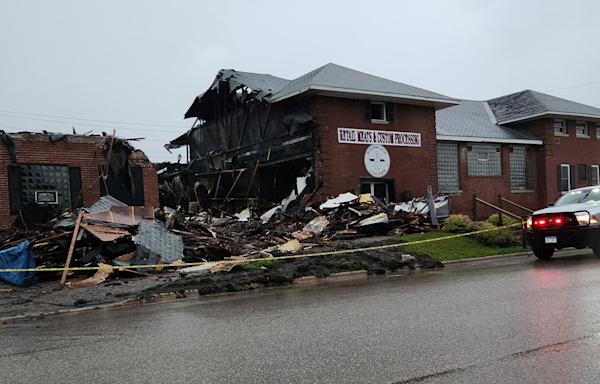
[474, 139]
[448, 102]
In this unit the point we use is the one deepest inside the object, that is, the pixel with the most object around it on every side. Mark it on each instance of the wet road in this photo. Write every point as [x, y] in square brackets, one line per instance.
[504, 321]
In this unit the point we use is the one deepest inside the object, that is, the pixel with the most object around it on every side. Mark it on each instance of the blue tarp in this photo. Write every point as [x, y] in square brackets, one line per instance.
[19, 257]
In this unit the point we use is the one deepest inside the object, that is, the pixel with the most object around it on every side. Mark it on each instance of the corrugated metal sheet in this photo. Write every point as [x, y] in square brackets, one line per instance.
[126, 215]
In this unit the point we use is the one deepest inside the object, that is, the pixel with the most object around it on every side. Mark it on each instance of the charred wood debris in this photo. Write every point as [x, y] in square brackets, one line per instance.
[113, 233]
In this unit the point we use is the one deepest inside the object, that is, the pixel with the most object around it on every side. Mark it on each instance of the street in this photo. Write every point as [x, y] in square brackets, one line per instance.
[496, 321]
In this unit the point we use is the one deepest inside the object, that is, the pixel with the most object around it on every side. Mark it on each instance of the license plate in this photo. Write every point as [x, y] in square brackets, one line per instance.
[551, 240]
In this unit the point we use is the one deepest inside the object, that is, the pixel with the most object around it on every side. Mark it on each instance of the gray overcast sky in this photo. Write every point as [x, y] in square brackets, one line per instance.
[145, 61]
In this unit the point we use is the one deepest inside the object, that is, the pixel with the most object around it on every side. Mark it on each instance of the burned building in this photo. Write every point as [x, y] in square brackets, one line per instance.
[43, 174]
[256, 133]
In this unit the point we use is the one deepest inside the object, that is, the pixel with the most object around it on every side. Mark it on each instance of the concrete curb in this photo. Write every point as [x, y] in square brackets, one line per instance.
[506, 256]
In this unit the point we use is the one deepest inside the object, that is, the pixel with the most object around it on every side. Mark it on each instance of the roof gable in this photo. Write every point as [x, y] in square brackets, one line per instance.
[336, 77]
[529, 104]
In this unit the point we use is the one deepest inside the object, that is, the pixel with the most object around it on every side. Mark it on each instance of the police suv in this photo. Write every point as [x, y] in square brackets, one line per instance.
[570, 222]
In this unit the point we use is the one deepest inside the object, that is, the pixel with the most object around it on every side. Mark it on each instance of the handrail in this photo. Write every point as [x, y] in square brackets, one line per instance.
[516, 205]
[476, 199]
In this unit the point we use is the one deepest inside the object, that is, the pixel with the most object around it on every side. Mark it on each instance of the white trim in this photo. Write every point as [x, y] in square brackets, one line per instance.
[568, 177]
[488, 140]
[549, 113]
[489, 112]
[369, 93]
[585, 129]
[597, 175]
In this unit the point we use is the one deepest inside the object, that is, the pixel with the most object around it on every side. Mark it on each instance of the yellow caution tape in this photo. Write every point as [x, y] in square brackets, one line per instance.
[252, 260]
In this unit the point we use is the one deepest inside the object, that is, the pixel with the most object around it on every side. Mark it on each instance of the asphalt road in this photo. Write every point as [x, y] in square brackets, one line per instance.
[505, 321]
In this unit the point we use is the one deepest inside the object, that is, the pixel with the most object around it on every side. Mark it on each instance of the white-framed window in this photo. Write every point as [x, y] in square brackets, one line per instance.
[46, 197]
[560, 127]
[581, 128]
[598, 131]
[594, 178]
[564, 178]
[379, 112]
[383, 188]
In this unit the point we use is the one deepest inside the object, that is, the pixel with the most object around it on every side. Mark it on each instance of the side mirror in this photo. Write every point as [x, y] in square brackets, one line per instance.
[551, 204]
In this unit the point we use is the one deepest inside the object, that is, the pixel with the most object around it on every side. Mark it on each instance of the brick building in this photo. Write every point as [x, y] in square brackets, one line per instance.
[528, 147]
[56, 171]
[255, 133]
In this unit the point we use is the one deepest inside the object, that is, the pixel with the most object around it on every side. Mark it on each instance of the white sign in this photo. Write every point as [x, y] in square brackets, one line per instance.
[377, 160]
[373, 136]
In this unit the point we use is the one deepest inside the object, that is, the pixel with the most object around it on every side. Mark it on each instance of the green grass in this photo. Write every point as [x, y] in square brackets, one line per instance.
[457, 248]
[257, 264]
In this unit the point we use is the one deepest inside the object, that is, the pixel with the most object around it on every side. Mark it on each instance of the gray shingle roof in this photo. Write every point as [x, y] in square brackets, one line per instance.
[527, 104]
[104, 203]
[153, 239]
[331, 76]
[335, 76]
[470, 119]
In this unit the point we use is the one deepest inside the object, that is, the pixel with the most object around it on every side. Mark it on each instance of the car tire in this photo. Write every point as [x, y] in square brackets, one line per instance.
[545, 253]
[596, 248]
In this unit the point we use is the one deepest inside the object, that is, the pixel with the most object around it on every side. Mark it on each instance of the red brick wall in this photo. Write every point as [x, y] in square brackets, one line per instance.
[85, 155]
[571, 150]
[488, 188]
[340, 166]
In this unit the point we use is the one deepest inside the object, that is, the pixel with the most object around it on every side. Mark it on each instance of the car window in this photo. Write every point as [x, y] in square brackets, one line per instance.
[573, 197]
[589, 196]
[592, 197]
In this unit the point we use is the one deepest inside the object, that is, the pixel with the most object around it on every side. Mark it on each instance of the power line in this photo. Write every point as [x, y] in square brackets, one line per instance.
[575, 86]
[100, 121]
[90, 125]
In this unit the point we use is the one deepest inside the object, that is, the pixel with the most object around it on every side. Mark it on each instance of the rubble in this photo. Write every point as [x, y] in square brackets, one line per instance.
[114, 234]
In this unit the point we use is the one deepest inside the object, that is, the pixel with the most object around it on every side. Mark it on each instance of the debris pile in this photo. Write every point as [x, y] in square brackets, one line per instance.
[110, 233]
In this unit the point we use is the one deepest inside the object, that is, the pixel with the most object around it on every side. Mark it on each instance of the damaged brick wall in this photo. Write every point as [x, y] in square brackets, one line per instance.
[81, 152]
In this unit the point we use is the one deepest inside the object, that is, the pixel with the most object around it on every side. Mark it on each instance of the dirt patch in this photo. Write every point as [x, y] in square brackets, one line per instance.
[282, 272]
[46, 297]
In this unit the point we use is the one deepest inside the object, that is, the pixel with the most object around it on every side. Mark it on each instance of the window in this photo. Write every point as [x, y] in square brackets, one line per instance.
[566, 179]
[581, 128]
[485, 160]
[597, 131]
[378, 112]
[520, 168]
[382, 189]
[560, 127]
[46, 197]
[447, 161]
[594, 178]
[36, 179]
[44, 184]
